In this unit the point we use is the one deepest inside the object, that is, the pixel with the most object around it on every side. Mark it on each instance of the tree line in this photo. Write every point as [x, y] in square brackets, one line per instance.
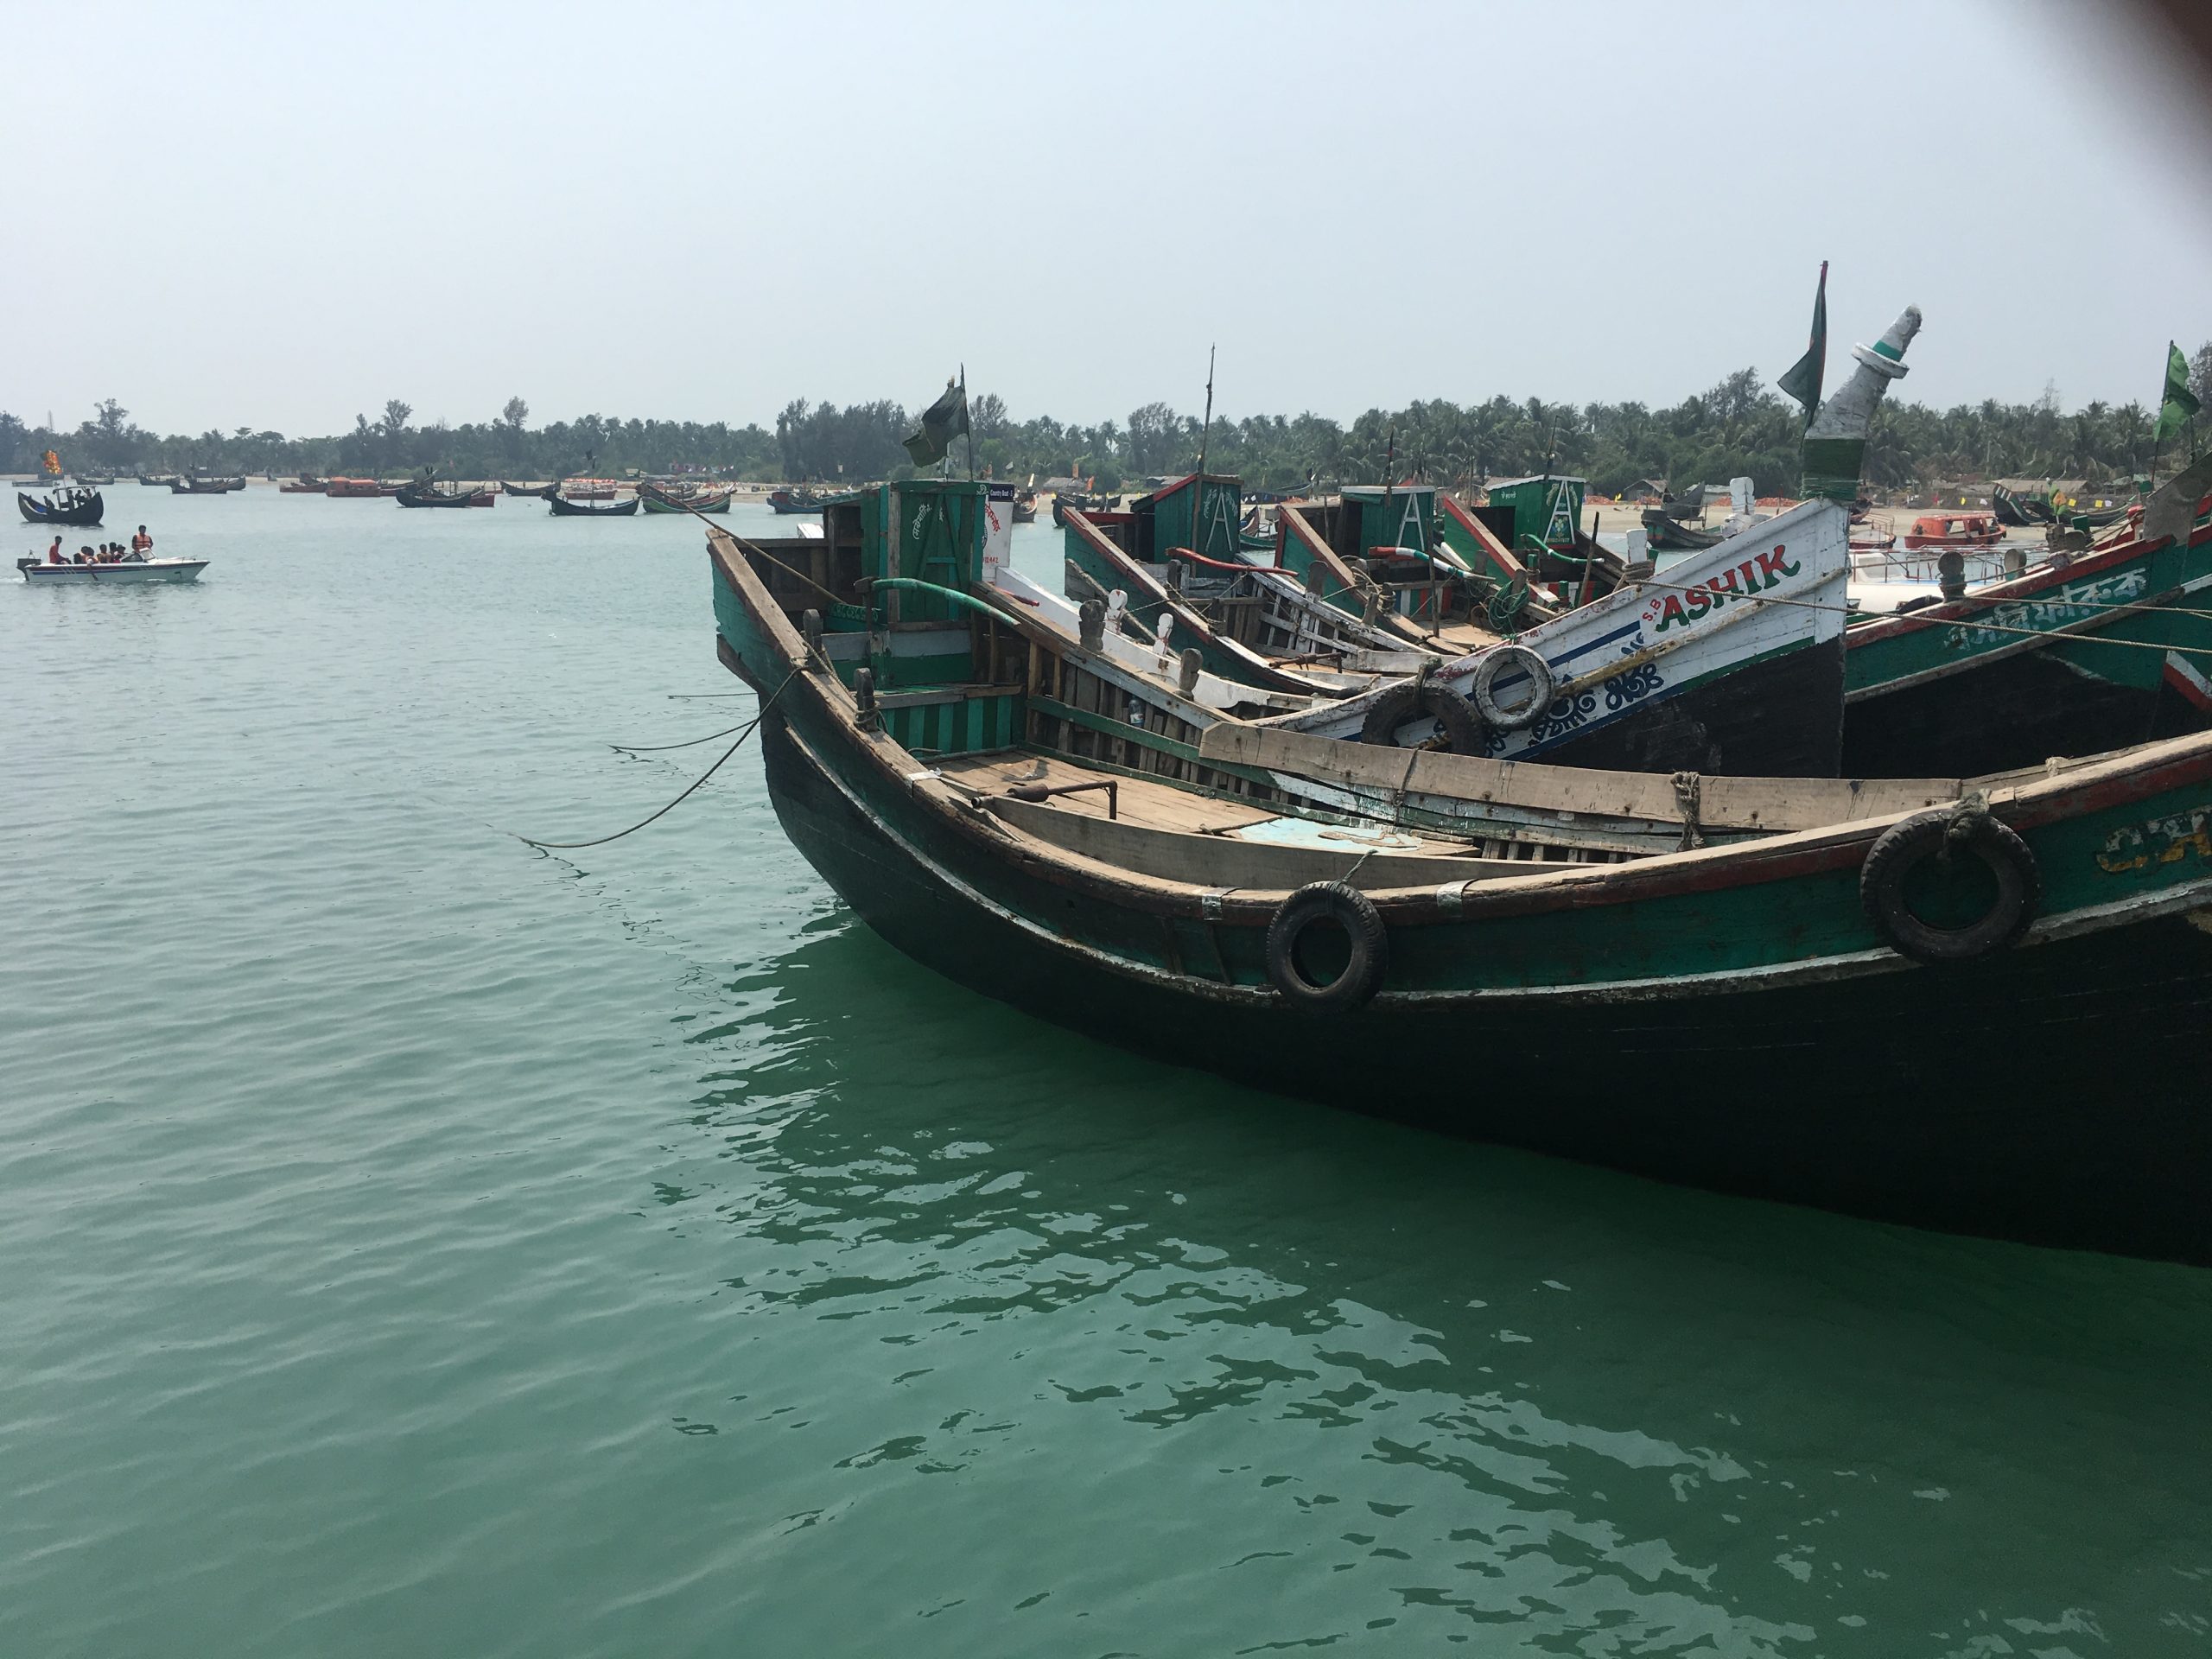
[1739, 427]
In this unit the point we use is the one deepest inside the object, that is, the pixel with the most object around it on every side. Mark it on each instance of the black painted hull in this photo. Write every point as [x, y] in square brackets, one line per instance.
[37, 511]
[1980, 1100]
[1781, 718]
[576, 510]
[2018, 712]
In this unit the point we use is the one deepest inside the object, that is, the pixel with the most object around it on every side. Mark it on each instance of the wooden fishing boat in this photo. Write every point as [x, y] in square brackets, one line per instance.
[156, 480]
[1732, 663]
[1653, 973]
[789, 500]
[540, 491]
[564, 507]
[2074, 654]
[1025, 507]
[77, 509]
[123, 572]
[1941, 530]
[1669, 535]
[432, 495]
[353, 488]
[203, 486]
[304, 485]
[655, 498]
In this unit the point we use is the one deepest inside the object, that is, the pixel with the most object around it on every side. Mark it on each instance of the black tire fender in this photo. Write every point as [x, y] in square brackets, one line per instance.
[1355, 912]
[1904, 845]
[1463, 726]
[1493, 665]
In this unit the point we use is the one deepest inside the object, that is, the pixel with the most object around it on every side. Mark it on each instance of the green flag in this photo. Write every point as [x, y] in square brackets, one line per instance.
[2180, 402]
[942, 422]
[1803, 379]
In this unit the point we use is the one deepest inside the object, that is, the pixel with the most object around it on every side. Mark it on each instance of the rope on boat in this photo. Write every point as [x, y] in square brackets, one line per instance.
[574, 845]
[662, 748]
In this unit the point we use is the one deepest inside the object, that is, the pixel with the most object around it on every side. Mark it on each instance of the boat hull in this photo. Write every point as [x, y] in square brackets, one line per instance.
[1943, 1115]
[154, 571]
[41, 512]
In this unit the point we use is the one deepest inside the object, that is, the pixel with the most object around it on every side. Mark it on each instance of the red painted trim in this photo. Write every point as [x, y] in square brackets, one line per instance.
[1219, 565]
[2191, 687]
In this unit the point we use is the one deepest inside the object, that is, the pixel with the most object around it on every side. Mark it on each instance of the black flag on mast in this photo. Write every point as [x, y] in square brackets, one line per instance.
[942, 422]
[1803, 378]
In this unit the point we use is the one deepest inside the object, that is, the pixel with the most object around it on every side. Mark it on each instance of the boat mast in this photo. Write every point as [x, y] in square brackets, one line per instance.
[1198, 485]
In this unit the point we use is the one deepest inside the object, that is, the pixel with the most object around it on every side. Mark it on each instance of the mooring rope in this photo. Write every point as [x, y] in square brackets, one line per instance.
[747, 731]
[663, 748]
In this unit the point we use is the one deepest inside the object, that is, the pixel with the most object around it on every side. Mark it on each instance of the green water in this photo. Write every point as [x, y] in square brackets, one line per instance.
[411, 1243]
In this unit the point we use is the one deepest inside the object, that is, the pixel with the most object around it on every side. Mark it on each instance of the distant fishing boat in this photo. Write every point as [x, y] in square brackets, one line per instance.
[789, 500]
[304, 485]
[539, 491]
[78, 509]
[564, 507]
[656, 499]
[423, 493]
[1647, 972]
[1025, 507]
[203, 486]
[123, 572]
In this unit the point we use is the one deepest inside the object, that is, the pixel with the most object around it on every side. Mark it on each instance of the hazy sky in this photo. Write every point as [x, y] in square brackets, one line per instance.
[278, 217]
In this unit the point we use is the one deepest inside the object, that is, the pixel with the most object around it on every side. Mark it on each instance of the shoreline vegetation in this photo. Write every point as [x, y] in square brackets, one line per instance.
[1739, 427]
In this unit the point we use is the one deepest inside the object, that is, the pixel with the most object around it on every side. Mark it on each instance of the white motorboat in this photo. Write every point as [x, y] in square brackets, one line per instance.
[37, 570]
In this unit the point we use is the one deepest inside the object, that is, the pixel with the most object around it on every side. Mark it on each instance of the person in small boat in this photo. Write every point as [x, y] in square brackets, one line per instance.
[54, 554]
[84, 555]
[142, 544]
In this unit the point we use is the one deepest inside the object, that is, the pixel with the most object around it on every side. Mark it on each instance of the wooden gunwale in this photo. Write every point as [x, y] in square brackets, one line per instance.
[2108, 782]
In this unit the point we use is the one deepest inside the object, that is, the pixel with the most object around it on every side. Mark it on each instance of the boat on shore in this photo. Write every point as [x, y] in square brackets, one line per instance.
[77, 509]
[120, 572]
[1656, 973]
[1941, 530]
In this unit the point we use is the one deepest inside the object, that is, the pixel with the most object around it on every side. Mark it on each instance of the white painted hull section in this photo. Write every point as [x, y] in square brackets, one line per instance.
[111, 575]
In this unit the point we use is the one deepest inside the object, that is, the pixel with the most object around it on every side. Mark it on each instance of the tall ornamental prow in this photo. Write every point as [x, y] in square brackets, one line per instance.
[1835, 443]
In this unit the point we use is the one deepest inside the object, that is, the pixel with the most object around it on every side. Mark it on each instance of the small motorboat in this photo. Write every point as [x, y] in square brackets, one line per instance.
[564, 507]
[37, 570]
[78, 509]
[1954, 530]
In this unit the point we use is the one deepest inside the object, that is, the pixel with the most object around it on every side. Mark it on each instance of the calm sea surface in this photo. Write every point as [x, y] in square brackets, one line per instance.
[413, 1243]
